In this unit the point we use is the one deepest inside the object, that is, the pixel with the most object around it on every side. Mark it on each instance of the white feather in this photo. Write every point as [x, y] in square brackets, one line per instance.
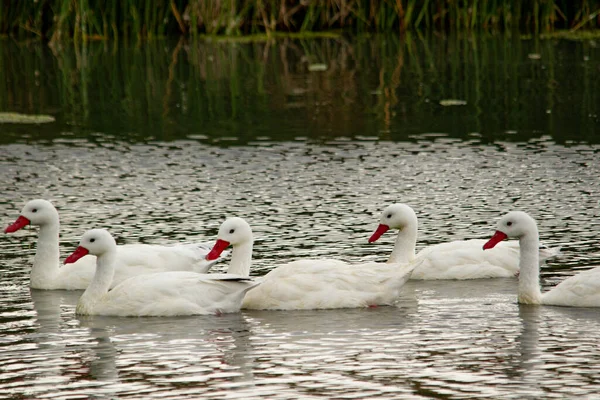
[132, 259]
[461, 259]
[323, 284]
[157, 294]
[581, 290]
[314, 284]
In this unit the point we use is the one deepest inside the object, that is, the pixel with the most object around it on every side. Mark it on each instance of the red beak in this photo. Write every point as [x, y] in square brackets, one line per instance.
[497, 238]
[381, 229]
[217, 250]
[77, 254]
[18, 224]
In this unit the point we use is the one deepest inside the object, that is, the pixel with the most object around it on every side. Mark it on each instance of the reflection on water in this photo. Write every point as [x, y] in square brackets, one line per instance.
[445, 344]
[142, 146]
[384, 87]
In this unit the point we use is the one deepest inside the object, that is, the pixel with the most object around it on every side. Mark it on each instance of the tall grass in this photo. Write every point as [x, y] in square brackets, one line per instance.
[102, 19]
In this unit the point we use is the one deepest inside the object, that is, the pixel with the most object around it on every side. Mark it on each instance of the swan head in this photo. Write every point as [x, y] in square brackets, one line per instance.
[515, 224]
[397, 216]
[234, 231]
[95, 242]
[36, 212]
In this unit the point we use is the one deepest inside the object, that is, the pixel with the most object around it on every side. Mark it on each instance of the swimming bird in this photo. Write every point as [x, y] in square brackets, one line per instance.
[158, 294]
[581, 290]
[321, 283]
[131, 259]
[460, 259]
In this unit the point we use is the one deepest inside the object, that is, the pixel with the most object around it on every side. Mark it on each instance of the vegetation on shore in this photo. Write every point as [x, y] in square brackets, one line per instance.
[476, 87]
[144, 19]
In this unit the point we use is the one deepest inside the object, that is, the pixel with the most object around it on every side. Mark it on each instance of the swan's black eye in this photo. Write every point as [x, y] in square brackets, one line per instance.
[509, 223]
[232, 230]
[389, 216]
[92, 240]
[34, 210]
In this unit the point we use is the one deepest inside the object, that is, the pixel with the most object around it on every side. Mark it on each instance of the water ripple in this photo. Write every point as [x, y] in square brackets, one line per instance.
[443, 339]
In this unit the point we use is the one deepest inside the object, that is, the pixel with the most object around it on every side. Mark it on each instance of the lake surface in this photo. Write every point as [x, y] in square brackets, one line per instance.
[309, 141]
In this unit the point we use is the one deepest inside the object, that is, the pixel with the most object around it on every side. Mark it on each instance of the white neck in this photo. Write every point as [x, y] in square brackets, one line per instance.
[105, 271]
[404, 248]
[241, 258]
[47, 256]
[529, 275]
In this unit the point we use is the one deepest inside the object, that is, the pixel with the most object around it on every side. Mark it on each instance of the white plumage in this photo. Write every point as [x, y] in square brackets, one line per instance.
[324, 283]
[131, 260]
[581, 290]
[460, 259]
[158, 294]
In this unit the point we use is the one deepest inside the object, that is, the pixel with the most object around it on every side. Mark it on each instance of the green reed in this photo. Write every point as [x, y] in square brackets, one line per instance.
[385, 86]
[103, 19]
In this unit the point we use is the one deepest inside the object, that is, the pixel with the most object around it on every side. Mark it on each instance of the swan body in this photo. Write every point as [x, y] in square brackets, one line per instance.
[327, 283]
[460, 259]
[158, 294]
[131, 260]
[465, 259]
[321, 284]
[581, 290]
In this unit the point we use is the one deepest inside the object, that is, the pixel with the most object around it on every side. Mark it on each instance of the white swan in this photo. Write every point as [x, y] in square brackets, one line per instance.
[132, 259]
[158, 294]
[461, 259]
[325, 283]
[581, 290]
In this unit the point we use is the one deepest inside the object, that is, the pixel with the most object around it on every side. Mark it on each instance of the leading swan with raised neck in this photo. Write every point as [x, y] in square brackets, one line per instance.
[163, 293]
[460, 259]
[322, 283]
[131, 260]
[581, 290]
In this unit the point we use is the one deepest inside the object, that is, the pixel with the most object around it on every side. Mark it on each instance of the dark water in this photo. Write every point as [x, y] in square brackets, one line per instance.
[160, 142]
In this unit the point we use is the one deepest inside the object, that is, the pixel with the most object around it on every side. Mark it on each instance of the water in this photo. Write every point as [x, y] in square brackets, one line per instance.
[159, 143]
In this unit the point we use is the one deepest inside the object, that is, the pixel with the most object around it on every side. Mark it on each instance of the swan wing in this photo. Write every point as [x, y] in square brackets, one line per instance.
[547, 252]
[466, 259]
[75, 276]
[135, 260]
[140, 259]
[581, 290]
[174, 293]
[326, 283]
[177, 257]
